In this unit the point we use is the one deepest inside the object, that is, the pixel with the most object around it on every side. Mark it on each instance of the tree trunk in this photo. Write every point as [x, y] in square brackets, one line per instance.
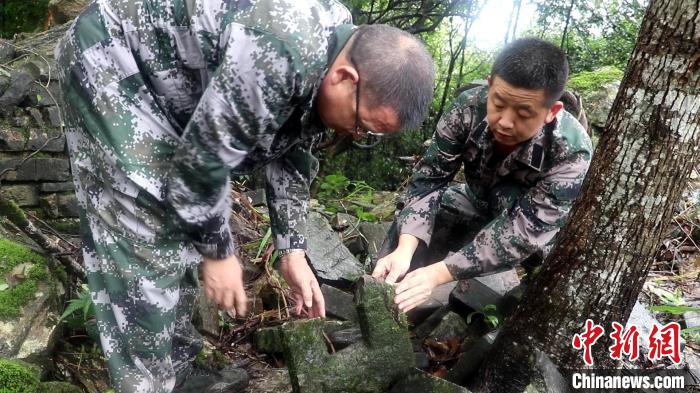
[600, 262]
[566, 25]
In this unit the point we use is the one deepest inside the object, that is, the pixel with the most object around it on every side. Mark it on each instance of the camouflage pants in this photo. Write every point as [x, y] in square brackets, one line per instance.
[141, 273]
[448, 219]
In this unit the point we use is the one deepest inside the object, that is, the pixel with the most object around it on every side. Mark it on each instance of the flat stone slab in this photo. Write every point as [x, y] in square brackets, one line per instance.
[339, 303]
[383, 355]
[479, 292]
[331, 260]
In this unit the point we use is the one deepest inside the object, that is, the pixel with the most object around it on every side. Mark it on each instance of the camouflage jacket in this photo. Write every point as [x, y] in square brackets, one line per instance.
[545, 174]
[230, 87]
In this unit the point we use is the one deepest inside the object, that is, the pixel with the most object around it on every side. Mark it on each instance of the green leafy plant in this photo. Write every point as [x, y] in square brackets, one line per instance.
[488, 312]
[338, 193]
[82, 305]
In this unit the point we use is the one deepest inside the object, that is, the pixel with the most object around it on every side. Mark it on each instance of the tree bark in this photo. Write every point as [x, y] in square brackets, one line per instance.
[642, 163]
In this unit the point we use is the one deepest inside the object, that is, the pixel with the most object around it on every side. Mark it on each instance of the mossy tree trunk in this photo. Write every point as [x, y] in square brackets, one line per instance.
[639, 170]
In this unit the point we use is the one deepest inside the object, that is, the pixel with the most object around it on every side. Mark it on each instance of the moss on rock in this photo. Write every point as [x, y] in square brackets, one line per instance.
[17, 377]
[590, 81]
[13, 298]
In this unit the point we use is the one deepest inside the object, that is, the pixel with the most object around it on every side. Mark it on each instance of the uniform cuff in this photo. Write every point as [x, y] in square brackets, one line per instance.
[461, 267]
[215, 245]
[283, 242]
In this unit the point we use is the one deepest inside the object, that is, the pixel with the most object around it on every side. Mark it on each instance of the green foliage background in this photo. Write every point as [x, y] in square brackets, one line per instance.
[17, 16]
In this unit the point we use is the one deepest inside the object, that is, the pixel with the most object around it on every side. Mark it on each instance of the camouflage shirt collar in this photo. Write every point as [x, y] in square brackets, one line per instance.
[340, 37]
[530, 152]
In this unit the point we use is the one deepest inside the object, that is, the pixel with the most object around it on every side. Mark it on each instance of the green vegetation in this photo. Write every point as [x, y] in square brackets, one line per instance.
[20, 272]
[17, 378]
[17, 16]
[590, 81]
[340, 194]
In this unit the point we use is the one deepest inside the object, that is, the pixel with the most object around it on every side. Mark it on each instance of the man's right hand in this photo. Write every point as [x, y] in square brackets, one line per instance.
[394, 266]
[223, 283]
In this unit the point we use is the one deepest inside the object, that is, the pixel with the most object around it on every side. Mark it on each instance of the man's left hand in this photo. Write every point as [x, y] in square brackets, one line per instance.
[416, 286]
[305, 288]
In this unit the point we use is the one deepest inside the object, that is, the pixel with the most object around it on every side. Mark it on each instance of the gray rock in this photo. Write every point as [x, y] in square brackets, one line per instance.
[18, 140]
[339, 304]
[60, 205]
[328, 256]
[452, 326]
[599, 103]
[7, 51]
[421, 382]
[32, 336]
[482, 291]
[24, 195]
[373, 235]
[20, 121]
[56, 187]
[52, 115]
[256, 197]
[343, 221]
[421, 359]
[644, 321]
[346, 337]
[270, 380]
[15, 92]
[36, 116]
[431, 322]
[40, 96]
[38, 169]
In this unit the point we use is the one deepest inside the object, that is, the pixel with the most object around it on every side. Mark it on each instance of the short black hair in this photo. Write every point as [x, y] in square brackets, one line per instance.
[535, 64]
[398, 71]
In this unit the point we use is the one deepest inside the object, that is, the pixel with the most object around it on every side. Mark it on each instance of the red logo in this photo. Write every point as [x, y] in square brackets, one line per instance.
[665, 342]
[586, 339]
[627, 344]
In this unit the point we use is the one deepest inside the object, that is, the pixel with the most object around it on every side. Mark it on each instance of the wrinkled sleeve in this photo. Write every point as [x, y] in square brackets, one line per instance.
[528, 226]
[433, 173]
[248, 98]
[287, 188]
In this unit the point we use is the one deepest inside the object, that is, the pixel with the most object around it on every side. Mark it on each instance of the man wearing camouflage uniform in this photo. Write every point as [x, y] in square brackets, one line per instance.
[166, 98]
[524, 162]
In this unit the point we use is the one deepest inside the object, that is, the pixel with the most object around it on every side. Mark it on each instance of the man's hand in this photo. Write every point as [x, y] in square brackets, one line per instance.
[305, 288]
[392, 267]
[223, 283]
[415, 288]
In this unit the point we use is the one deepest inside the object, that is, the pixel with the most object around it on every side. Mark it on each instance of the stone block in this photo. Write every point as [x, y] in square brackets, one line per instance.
[373, 235]
[452, 326]
[35, 114]
[481, 291]
[24, 195]
[384, 355]
[330, 259]
[56, 187]
[60, 205]
[346, 337]
[52, 116]
[16, 92]
[339, 304]
[37, 169]
[30, 140]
